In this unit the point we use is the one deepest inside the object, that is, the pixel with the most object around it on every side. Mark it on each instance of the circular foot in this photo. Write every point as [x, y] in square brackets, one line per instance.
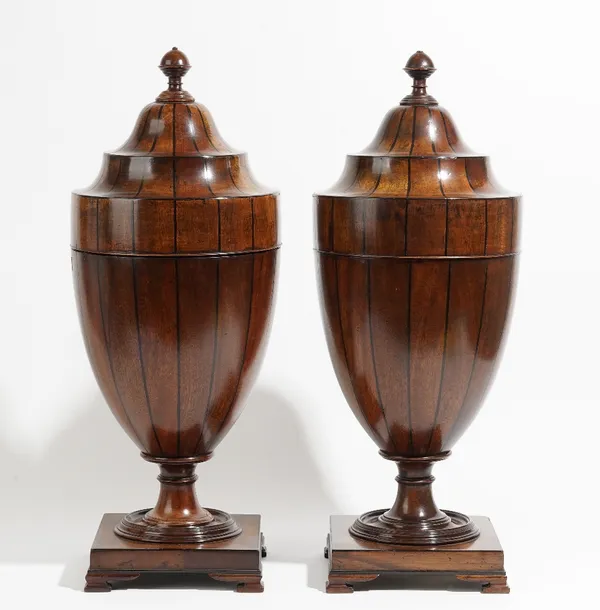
[451, 528]
[135, 527]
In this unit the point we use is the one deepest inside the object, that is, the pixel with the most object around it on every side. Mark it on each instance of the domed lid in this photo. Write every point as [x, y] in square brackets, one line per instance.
[175, 186]
[417, 152]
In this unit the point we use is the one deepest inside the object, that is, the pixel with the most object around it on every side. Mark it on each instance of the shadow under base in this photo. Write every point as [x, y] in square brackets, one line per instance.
[236, 560]
[353, 561]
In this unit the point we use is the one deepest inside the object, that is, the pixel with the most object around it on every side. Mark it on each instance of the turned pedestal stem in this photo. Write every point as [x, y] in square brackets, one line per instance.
[414, 519]
[177, 502]
[414, 500]
[177, 516]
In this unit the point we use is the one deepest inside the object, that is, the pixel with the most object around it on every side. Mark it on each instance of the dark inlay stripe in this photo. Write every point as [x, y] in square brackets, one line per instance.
[476, 348]
[156, 135]
[174, 196]
[446, 130]
[110, 190]
[381, 162]
[440, 182]
[252, 212]
[206, 181]
[143, 129]
[512, 222]
[432, 139]
[339, 310]
[214, 360]
[176, 285]
[408, 334]
[206, 129]
[237, 387]
[192, 122]
[330, 225]
[108, 354]
[469, 177]
[414, 126]
[141, 356]
[178, 357]
[377, 388]
[232, 178]
[97, 226]
[355, 178]
[397, 131]
[439, 399]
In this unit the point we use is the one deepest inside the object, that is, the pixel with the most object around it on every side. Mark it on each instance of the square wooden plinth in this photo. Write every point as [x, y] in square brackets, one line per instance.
[237, 560]
[353, 561]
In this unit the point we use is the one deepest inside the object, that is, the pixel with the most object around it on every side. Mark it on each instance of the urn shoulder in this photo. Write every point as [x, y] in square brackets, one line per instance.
[175, 185]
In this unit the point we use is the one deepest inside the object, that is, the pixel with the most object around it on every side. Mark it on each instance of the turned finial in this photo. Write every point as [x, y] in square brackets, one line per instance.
[419, 67]
[174, 66]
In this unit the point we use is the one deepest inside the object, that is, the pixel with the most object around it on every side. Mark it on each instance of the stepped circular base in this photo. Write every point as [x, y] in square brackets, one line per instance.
[134, 526]
[452, 528]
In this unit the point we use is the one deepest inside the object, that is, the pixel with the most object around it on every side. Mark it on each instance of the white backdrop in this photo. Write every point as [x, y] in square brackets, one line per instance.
[298, 85]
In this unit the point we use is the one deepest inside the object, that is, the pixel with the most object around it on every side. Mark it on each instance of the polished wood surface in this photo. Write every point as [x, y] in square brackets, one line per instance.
[115, 560]
[416, 258]
[353, 561]
[174, 261]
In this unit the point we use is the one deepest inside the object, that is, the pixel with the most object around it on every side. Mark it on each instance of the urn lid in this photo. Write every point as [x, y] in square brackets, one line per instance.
[417, 152]
[175, 186]
[417, 190]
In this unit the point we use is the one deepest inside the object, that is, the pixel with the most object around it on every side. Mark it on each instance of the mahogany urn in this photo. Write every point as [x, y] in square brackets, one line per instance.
[174, 261]
[416, 255]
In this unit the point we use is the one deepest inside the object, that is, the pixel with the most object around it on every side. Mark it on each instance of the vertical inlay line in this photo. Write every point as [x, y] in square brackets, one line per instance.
[237, 387]
[177, 318]
[193, 137]
[140, 352]
[114, 184]
[377, 388]
[176, 262]
[446, 130]
[218, 225]
[414, 127]
[206, 130]
[174, 184]
[430, 125]
[142, 130]
[133, 226]
[108, 354]
[157, 133]
[443, 368]
[206, 180]
[97, 225]
[214, 360]
[252, 216]
[408, 334]
[469, 177]
[331, 226]
[476, 347]
[512, 222]
[339, 311]
[440, 181]
[485, 233]
[397, 132]
[232, 178]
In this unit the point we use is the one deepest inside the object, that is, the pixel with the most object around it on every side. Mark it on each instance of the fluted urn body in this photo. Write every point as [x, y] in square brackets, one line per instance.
[174, 261]
[416, 254]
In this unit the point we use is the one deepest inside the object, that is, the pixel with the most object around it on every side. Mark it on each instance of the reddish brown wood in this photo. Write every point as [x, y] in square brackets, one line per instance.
[174, 260]
[416, 256]
[237, 560]
[354, 560]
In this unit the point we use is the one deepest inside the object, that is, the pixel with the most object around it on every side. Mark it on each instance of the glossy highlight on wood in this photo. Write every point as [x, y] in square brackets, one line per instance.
[174, 261]
[416, 258]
